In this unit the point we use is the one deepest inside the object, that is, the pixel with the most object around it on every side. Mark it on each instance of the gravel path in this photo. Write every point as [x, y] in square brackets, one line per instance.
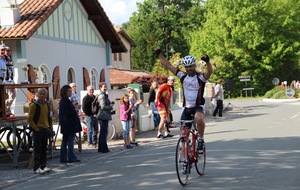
[9, 175]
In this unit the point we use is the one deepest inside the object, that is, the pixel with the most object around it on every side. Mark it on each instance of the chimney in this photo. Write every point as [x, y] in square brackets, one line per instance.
[9, 13]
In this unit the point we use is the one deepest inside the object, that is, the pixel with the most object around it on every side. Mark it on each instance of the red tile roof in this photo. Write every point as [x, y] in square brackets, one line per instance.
[122, 76]
[33, 13]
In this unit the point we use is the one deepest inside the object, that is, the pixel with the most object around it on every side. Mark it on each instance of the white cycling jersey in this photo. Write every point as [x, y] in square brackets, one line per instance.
[191, 87]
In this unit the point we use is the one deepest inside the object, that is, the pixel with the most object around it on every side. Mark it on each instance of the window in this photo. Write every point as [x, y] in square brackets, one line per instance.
[43, 74]
[94, 77]
[71, 75]
[115, 56]
[120, 56]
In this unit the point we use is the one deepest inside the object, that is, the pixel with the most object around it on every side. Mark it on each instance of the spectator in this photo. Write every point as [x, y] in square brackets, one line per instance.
[297, 85]
[91, 120]
[2, 62]
[40, 120]
[75, 99]
[152, 94]
[134, 102]
[219, 97]
[70, 125]
[162, 103]
[9, 64]
[103, 116]
[125, 112]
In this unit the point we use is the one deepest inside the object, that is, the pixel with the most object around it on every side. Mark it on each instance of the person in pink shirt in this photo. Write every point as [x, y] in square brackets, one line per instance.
[125, 116]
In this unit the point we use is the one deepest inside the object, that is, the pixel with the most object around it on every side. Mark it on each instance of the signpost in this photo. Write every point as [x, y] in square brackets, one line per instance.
[246, 79]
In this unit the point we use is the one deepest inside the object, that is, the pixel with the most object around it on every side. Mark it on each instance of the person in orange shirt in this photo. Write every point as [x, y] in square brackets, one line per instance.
[162, 103]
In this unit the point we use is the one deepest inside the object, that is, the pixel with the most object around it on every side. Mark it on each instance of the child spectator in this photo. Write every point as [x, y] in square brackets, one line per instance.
[134, 102]
[125, 115]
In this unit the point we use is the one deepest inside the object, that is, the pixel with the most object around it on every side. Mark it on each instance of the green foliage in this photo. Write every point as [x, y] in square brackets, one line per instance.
[242, 37]
[248, 38]
[273, 91]
[280, 93]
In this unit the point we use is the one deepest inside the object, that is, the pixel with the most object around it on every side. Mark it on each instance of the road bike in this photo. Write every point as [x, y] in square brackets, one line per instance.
[24, 138]
[25, 142]
[111, 131]
[187, 154]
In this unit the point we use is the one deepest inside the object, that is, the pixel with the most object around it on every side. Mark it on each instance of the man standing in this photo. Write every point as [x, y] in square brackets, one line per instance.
[162, 103]
[2, 62]
[219, 97]
[9, 64]
[91, 121]
[75, 98]
[40, 120]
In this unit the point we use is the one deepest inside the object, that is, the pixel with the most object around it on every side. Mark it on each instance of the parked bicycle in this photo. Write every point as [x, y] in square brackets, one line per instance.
[25, 142]
[24, 138]
[110, 134]
[187, 154]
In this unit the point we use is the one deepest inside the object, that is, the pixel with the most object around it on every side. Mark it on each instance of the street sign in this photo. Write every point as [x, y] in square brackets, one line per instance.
[245, 77]
[244, 80]
[290, 92]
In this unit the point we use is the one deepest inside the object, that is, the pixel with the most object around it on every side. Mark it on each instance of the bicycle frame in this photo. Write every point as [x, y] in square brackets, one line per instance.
[189, 146]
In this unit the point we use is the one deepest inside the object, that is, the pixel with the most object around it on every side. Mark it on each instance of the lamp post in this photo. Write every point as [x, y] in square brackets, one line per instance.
[167, 54]
[167, 51]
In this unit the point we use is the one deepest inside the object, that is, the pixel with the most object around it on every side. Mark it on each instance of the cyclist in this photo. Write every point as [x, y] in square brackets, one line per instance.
[162, 103]
[193, 84]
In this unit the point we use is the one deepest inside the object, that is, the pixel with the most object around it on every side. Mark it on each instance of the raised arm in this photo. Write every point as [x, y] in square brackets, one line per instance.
[164, 61]
[209, 69]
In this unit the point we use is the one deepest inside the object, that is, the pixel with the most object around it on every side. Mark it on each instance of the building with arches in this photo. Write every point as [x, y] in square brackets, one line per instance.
[59, 42]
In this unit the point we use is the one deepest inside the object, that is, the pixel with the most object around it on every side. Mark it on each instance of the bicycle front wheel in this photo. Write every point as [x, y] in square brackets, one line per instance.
[201, 160]
[182, 173]
[111, 131]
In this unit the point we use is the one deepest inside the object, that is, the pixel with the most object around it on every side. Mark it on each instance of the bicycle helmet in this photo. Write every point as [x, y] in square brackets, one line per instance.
[188, 60]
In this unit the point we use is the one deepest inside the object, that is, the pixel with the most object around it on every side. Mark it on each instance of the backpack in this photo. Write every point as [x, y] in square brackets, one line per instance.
[95, 106]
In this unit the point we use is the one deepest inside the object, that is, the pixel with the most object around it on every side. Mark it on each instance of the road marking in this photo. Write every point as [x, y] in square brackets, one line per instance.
[294, 116]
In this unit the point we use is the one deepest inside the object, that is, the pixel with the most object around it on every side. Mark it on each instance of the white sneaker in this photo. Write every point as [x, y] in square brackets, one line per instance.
[39, 171]
[46, 169]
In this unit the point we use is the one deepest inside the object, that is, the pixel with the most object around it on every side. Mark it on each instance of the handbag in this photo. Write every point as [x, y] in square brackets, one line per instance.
[104, 115]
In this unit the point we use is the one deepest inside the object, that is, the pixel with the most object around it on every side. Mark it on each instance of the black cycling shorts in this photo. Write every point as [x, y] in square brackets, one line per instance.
[188, 113]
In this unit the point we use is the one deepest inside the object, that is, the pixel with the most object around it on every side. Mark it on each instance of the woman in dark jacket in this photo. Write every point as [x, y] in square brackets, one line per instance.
[103, 116]
[70, 125]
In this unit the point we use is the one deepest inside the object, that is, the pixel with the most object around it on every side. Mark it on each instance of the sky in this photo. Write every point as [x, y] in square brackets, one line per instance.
[119, 11]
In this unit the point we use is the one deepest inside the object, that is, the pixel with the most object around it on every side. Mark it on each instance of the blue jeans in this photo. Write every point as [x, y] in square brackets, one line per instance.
[92, 127]
[67, 154]
[156, 117]
[126, 128]
[102, 147]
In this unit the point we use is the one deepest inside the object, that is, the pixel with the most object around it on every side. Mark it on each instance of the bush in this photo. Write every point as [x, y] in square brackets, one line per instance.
[279, 93]
[271, 93]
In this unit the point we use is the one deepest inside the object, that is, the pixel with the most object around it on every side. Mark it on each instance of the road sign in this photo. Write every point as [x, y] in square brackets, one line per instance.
[244, 80]
[245, 77]
[290, 92]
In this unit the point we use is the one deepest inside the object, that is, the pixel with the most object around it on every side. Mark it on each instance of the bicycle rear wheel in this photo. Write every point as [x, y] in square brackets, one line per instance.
[10, 139]
[111, 131]
[179, 161]
[201, 160]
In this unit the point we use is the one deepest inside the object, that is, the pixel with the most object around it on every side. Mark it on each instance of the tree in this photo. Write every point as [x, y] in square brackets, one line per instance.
[161, 23]
[251, 37]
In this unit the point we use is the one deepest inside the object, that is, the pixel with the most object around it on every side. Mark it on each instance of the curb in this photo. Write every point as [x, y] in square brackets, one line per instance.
[281, 100]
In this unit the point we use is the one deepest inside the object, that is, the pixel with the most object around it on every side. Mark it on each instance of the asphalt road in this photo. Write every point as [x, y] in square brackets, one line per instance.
[256, 147]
